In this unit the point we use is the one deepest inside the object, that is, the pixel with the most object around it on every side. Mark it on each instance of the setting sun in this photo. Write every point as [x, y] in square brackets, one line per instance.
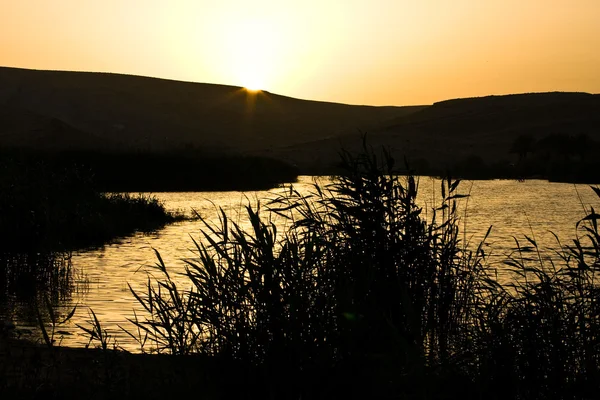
[253, 47]
[252, 76]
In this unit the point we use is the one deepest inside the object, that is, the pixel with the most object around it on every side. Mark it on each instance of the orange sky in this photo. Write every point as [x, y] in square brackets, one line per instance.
[377, 52]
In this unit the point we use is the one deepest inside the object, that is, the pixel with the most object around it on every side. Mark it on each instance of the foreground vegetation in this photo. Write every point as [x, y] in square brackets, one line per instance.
[45, 213]
[366, 296]
[45, 208]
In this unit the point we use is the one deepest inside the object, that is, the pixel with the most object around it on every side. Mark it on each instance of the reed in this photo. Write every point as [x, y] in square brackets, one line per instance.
[361, 295]
[45, 209]
[539, 335]
[359, 279]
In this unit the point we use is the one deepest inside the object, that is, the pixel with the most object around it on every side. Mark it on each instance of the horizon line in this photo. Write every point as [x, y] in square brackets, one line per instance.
[287, 96]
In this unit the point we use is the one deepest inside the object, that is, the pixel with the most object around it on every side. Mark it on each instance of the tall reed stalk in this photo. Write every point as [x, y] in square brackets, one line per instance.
[358, 275]
[360, 287]
[539, 336]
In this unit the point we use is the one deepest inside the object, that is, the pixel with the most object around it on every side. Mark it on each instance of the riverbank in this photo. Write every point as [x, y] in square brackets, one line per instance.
[32, 371]
[44, 208]
[46, 214]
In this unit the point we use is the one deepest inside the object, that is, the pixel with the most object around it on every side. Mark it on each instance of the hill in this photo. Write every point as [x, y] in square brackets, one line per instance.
[478, 130]
[21, 128]
[474, 137]
[148, 114]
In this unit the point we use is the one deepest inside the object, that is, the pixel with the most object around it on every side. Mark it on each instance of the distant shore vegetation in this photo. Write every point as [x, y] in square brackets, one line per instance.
[555, 157]
[46, 208]
[72, 199]
[145, 171]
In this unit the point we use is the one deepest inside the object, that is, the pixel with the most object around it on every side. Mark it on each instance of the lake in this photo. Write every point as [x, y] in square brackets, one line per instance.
[98, 279]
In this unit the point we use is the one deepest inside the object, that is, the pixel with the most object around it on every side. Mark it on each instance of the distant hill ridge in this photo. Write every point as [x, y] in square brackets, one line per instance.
[155, 114]
[517, 98]
[454, 130]
[115, 112]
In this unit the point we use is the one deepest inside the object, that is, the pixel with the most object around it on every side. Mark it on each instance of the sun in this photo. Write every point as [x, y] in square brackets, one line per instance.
[252, 79]
[253, 88]
[254, 48]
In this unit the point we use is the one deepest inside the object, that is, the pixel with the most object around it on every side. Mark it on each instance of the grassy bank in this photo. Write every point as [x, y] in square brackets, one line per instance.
[45, 208]
[366, 295]
[45, 214]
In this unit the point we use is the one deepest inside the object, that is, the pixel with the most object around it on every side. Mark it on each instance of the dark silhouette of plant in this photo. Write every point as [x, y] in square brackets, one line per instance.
[361, 287]
[523, 145]
[359, 276]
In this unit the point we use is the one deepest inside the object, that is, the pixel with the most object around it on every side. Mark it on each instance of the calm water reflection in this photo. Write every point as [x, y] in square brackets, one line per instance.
[99, 278]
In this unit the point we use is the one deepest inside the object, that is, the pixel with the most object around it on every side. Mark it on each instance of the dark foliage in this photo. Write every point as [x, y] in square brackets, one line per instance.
[360, 288]
[47, 208]
[184, 170]
[363, 296]
[366, 296]
[556, 157]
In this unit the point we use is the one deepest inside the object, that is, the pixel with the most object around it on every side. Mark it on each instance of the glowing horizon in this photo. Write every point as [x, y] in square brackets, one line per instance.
[380, 52]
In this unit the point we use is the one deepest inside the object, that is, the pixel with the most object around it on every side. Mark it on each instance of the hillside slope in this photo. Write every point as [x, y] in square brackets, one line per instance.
[141, 113]
[451, 131]
[54, 110]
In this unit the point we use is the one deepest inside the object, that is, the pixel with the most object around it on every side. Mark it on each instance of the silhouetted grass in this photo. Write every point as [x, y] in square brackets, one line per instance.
[539, 336]
[366, 295]
[30, 276]
[45, 213]
[44, 208]
[360, 287]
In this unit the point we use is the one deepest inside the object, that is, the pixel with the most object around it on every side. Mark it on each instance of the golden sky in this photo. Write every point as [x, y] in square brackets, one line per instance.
[379, 52]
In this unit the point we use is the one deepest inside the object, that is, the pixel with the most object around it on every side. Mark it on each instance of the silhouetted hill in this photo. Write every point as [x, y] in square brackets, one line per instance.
[452, 131]
[22, 128]
[143, 113]
[54, 110]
